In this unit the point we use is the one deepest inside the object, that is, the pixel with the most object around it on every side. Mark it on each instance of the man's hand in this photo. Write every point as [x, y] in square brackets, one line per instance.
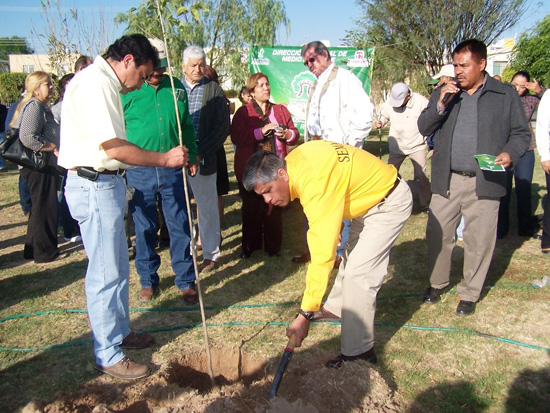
[451, 88]
[178, 156]
[546, 167]
[193, 168]
[300, 329]
[503, 159]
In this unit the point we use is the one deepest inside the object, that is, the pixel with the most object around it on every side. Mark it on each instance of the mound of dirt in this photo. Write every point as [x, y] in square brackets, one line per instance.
[242, 385]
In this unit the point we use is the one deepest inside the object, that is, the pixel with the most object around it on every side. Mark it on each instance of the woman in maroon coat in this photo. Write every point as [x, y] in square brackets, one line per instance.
[260, 125]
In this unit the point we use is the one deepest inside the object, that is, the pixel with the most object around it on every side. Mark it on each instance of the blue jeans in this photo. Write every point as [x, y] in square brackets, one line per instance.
[99, 209]
[2, 139]
[523, 176]
[24, 195]
[345, 237]
[150, 182]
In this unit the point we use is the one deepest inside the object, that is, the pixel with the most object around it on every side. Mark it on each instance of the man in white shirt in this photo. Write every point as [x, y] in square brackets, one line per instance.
[94, 150]
[338, 110]
[402, 110]
[543, 147]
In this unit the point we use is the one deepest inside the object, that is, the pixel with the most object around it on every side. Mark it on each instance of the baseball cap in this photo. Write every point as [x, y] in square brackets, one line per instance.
[398, 94]
[161, 49]
[447, 70]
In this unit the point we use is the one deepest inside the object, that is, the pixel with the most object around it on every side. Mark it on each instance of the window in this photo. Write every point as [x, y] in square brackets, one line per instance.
[28, 68]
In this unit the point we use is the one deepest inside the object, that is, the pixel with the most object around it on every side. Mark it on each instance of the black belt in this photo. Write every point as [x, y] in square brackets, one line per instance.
[464, 173]
[91, 174]
[395, 184]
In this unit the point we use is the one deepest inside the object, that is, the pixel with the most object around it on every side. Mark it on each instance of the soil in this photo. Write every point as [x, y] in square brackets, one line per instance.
[242, 385]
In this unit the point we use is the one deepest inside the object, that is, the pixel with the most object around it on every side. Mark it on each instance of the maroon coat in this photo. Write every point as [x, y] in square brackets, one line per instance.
[245, 121]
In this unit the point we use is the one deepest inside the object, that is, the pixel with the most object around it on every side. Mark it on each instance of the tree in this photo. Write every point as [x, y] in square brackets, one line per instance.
[11, 85]
[531, 52]
[224, 28]
[12, 45]
[413, 38]
[68, 33]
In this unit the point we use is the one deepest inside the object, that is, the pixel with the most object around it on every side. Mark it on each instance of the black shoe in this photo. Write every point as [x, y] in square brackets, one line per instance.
[465, 308]
[336, 363]
[301, 259]
[432, 295]
[245, 254]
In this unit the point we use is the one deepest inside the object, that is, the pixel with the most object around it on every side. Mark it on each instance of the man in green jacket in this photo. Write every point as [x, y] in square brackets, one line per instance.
[151, 123]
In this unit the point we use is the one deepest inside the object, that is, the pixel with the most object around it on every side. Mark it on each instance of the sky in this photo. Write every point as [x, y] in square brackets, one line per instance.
[326, 20]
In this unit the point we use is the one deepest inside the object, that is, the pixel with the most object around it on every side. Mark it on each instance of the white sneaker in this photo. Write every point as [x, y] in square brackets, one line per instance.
[78, 238]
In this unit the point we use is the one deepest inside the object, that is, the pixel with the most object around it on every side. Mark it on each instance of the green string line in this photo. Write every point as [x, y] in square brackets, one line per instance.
[275, 323]
[270, 323]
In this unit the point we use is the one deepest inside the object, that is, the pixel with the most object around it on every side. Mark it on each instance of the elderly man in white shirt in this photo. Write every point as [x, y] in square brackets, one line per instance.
[338, 110]
[543, 147]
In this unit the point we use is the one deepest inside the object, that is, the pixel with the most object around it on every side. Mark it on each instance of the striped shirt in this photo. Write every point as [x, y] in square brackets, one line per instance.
[194, 98]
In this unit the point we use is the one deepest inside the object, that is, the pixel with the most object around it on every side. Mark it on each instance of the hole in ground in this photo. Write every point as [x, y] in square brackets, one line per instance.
[228, 365]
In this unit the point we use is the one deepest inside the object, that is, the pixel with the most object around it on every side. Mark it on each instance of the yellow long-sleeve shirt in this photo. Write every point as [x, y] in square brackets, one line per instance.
[333, 182]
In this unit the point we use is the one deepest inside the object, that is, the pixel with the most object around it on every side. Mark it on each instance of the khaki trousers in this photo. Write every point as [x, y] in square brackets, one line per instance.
[419, 162]
[364, 266]
[480, 217]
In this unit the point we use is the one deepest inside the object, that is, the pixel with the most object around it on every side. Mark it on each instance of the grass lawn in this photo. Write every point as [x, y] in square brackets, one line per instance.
[432, 360]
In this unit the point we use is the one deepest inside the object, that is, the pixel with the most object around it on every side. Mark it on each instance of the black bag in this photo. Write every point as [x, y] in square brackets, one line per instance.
[14, 151]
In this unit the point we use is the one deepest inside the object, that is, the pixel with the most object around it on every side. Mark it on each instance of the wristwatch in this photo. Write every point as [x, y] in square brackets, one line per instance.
[307, 314]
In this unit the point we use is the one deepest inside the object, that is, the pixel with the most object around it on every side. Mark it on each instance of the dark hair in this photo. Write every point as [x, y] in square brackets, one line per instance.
[476, 47]
[318, 46]
[211, 74]
[262, 168]
[136, 45]
[522, 73]
[82, 62]
[62, 84]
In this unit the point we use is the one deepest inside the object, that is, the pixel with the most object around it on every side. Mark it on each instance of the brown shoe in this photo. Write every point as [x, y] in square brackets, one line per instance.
[146, 294]
[323, 314]
[337, 262]
[190, 296]
[125, 369]
[137, 341]
[302, 259]
[336, 363]
[207, 265]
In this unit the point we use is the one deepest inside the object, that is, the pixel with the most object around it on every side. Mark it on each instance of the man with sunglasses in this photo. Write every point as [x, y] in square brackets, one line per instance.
[338, 110]
[94, 149]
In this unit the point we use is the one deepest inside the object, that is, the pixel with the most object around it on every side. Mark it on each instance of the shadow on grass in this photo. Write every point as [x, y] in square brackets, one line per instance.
[530, 392]
[453, 396]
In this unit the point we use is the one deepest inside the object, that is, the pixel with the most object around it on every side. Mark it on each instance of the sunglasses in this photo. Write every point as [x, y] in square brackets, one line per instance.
[310, 60]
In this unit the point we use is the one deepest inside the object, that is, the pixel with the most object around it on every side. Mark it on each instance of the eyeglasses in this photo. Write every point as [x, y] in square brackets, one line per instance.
[310, 60]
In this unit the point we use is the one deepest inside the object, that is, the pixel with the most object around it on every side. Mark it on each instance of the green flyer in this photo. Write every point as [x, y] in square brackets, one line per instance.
[487, 163]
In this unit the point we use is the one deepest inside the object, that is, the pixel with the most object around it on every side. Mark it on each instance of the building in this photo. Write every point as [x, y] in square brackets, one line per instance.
[28, 63]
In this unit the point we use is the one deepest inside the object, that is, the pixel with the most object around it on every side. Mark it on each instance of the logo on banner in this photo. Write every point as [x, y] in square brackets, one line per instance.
[260, 60]
[359, 60]
[302, 83]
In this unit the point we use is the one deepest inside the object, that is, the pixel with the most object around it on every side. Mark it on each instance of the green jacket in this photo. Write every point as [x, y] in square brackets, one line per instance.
[151, 121]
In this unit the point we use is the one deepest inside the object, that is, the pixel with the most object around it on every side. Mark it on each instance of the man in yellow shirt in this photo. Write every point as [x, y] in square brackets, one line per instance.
[334, 182]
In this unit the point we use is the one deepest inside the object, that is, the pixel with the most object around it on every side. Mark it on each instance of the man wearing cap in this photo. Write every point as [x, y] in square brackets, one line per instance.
[475, 115]
[151, 123]
[402, 110]
[446, 73]
[338, 110]
[94, 149]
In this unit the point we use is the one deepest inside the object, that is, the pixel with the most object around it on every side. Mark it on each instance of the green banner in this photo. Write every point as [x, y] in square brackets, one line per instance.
[291, 81]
